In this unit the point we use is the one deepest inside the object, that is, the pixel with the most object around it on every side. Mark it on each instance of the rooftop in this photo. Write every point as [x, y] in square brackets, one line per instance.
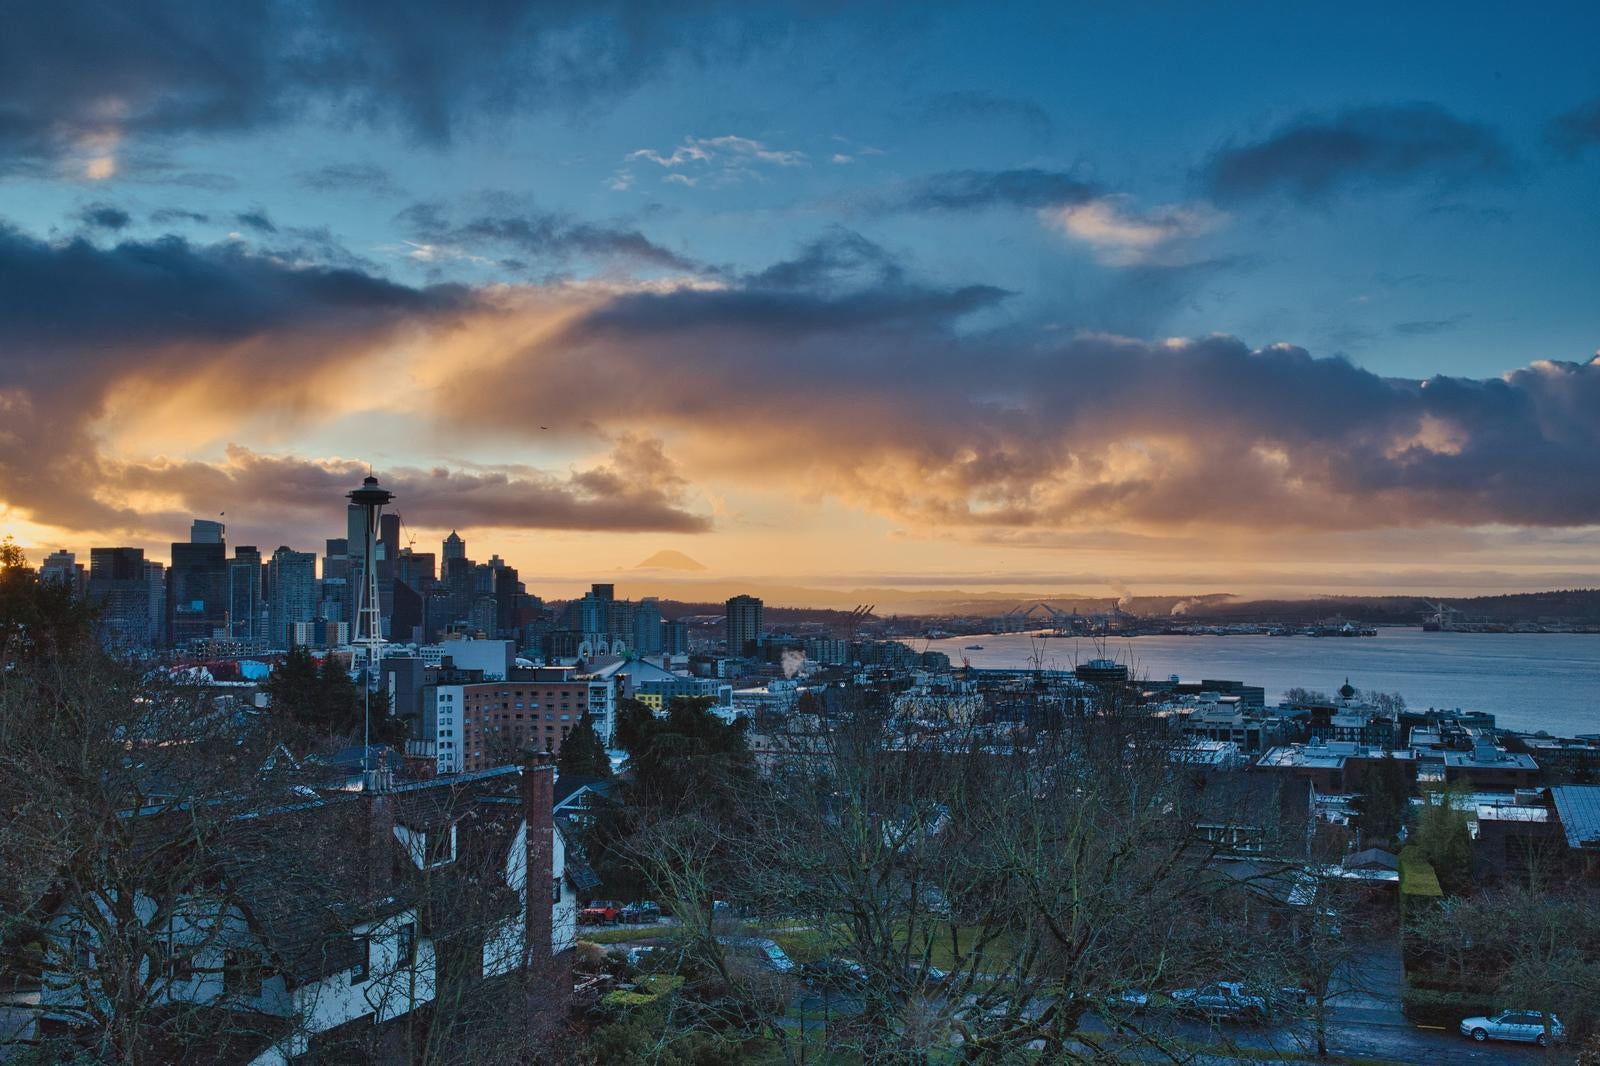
[1579, 808]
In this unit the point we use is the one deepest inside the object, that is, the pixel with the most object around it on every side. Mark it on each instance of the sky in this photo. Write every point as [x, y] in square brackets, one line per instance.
[1160, 297]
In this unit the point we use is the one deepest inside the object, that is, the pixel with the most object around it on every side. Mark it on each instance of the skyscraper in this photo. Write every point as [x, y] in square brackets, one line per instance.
[197, 585]
[336, 562]
[291, 595]
[119, 590]
[743, 623]
[205, 531]
[454, 548]
[244, 595]
[155, 576]
[647, 636]
[62, 568]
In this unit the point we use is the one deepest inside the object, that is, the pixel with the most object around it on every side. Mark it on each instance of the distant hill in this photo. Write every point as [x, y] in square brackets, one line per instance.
[1565, 605]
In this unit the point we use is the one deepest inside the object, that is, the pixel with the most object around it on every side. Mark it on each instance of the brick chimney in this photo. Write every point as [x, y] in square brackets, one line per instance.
[538, 797]
[379, 816]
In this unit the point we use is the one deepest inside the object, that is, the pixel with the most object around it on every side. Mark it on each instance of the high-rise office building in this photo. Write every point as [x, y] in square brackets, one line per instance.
[245, 602]
[155, 576]
[675, 637]
[62, 568]
[743, 623]
[388, 538]
[197, 585]
[647, 637]
[336, 561]
[291, 593]
[454, 548]
[120, 592]
[205, 531]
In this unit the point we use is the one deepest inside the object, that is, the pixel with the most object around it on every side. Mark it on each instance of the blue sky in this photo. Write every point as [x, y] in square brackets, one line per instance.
[1409, 189]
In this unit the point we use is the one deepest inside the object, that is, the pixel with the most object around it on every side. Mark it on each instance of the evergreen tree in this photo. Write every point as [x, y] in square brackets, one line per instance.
[1445, 838]
[1383, 791]
[582, 752]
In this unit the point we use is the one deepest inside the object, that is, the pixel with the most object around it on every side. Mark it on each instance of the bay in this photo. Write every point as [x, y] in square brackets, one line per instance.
[1529, 681]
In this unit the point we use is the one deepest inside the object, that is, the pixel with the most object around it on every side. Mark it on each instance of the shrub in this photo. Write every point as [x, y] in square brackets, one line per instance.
[1424, 1006]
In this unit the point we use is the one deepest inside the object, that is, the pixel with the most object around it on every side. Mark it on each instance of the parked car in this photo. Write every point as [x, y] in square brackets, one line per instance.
[1222, 999]
[1289, 999]
[645, 910]
[1129, 1001]
[834, 974]
[600, 912]
[929, 978]
[1526, 1026]
[766, 950]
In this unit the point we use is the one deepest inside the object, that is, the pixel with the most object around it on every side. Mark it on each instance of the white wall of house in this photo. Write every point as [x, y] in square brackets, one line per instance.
[503, 950]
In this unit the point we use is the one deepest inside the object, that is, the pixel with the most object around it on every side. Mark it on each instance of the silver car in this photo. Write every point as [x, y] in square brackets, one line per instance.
[1526, 1026]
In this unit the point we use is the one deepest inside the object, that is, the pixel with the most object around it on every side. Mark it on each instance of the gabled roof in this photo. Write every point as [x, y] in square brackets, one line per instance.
[1373, 857]
[569, 786]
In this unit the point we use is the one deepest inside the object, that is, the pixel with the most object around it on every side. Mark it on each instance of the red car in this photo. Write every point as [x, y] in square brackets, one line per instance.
[600, 912]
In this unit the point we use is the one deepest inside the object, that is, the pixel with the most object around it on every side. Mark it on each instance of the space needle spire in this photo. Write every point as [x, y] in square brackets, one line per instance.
[371, 498]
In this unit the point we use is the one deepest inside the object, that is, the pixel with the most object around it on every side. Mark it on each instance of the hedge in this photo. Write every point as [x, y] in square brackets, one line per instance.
[1417, 877]
[1423, 1006]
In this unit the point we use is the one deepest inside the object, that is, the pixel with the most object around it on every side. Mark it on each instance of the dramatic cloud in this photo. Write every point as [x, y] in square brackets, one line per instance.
[978, 190]
[90, 327]
[548, 239]
[78, 79]
[635, 490]
[86, 324]
[835, 373]
[883, 395]
[1577, 130]
[1314, 156]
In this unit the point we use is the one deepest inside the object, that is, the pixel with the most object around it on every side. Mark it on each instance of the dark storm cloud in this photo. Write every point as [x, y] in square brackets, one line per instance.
[1577, 130]
[78, 69]
[76, 300]
[1314, 155]
[104, 216]
[974, 106]
[977, 190]
[547, 238]
[349, 177]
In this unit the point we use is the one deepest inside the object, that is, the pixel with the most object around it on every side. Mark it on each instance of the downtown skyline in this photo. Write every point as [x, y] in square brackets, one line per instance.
[992, 308]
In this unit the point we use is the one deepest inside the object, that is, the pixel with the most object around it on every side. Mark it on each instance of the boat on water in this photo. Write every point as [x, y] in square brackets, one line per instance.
[973, 647]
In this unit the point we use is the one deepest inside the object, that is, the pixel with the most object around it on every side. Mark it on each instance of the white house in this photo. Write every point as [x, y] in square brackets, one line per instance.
[328, 919]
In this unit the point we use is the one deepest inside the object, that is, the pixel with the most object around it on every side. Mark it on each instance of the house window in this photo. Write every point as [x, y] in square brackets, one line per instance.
[555, 890]
[241, 974]
[363, 966]
[406, 944]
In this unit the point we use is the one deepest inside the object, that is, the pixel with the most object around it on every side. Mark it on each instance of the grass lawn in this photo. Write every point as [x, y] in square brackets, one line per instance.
[619, 933]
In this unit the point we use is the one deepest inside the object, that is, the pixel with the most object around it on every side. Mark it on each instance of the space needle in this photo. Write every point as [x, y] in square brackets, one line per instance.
[371, 498]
